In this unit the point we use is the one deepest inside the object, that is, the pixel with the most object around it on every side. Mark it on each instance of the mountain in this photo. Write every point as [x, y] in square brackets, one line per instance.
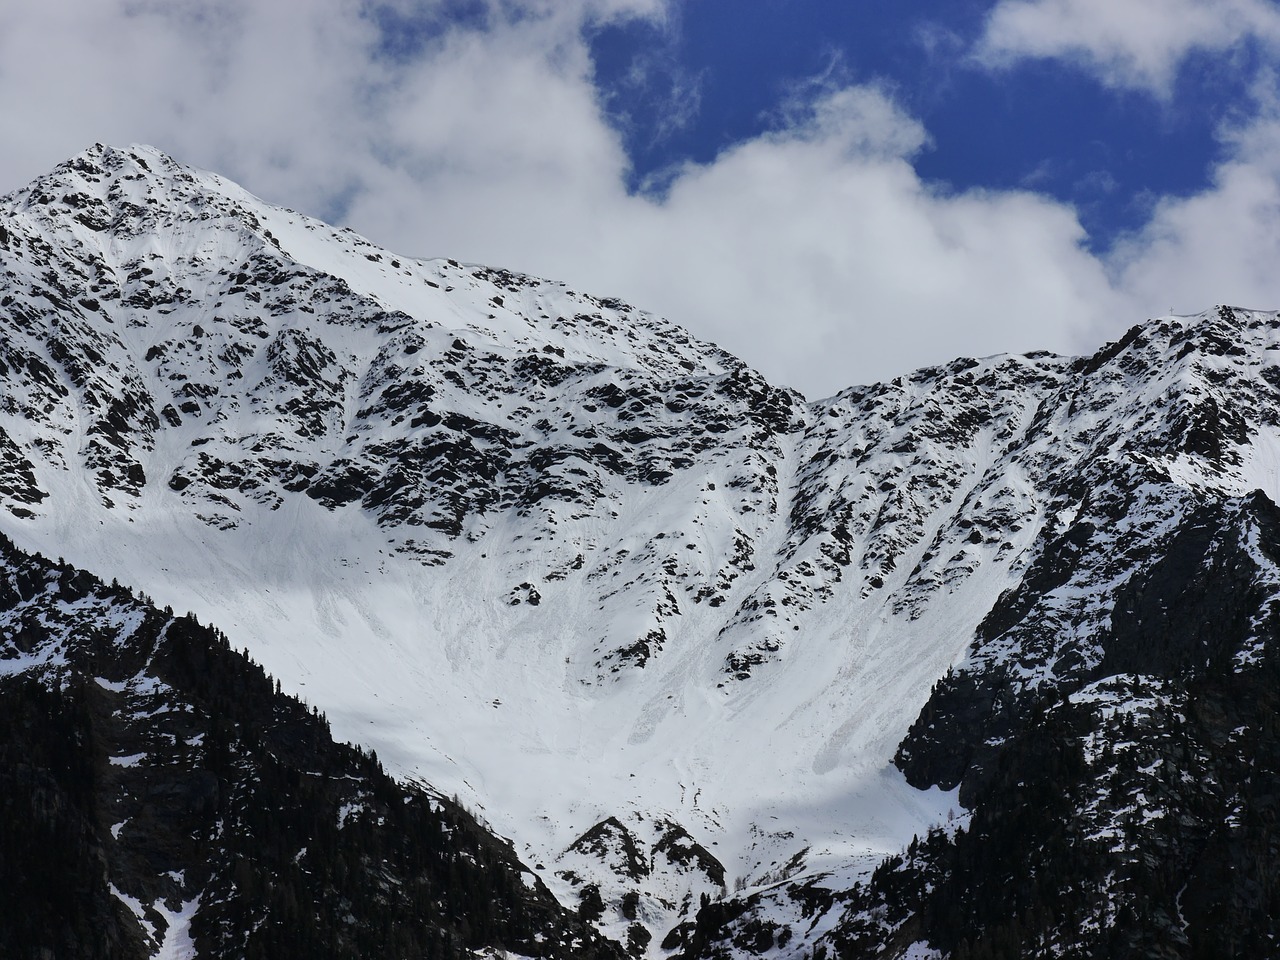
[714, 657]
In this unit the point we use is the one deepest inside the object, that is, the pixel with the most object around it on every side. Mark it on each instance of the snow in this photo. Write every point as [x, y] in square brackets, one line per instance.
[23, 663]
[514, 707]
[346, 810]
[177, 943]
[921, 951]
[810, 750]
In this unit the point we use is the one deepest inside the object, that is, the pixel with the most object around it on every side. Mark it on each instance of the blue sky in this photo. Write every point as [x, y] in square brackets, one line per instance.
[837, 192]
[1044, 124]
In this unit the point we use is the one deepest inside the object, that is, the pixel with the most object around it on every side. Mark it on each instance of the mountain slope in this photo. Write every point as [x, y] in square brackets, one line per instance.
[394, 508]
[665, 624]
[159, 795]
[1128, 811]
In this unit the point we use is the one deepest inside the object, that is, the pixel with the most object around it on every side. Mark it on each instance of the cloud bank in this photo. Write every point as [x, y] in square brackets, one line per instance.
[814, 250]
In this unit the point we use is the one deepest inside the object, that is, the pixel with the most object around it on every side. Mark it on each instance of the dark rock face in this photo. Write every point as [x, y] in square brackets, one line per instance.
[611, 841]
[1149, 576]
[1110, 762]
[1194, 607]
[17, 475]
[144, 763]
[1134, 820]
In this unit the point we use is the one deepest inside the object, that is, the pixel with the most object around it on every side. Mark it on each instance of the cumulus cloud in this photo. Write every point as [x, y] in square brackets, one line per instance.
[814, 250]
[1221, 243]
[272, 92]
[1128, 43]
[1225, 238]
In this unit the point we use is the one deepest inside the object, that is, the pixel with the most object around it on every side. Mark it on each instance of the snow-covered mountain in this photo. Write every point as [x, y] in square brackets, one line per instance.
[695, 644]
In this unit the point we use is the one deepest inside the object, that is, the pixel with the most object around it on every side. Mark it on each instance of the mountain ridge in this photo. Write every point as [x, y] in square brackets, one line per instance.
[713, 620]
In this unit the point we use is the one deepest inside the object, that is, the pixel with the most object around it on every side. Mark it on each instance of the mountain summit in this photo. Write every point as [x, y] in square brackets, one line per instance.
[707, 653]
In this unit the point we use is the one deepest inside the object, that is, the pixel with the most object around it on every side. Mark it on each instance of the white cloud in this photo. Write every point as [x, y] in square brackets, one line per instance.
[1223, 243]
[814, 250]
[275, 93]
[1230, 233]
[1128, 43]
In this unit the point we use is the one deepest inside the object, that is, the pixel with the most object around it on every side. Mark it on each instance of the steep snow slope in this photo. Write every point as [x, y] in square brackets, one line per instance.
[550, 553]
[540, 535]
[162, 800]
